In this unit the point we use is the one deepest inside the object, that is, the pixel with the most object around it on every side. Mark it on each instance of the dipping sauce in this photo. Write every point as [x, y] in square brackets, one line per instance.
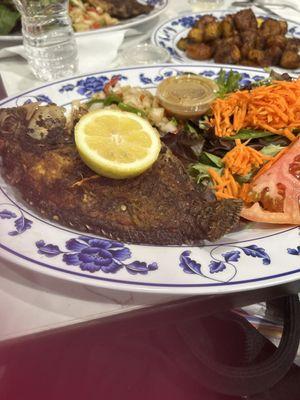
[187, 96]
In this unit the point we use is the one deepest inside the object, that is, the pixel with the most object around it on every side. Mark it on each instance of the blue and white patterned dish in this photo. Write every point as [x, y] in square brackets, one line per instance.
[170, 32]
[251, 258]
[159, 7]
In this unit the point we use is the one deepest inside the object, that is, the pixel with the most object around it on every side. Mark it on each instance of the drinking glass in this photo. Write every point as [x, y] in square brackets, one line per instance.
[144, 54]
[48, 38]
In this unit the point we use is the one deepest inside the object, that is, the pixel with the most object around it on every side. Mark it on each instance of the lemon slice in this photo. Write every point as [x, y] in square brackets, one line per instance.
[116, 144]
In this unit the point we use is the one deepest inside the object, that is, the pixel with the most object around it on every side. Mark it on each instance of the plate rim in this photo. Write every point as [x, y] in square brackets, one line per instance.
[158, 289]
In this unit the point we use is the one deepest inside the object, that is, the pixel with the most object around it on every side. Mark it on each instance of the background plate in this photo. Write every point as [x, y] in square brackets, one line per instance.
[255, 257]
[169, 32]
[159, 7]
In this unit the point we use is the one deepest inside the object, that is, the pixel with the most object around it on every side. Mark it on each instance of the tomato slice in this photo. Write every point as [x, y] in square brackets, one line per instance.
[276, 189]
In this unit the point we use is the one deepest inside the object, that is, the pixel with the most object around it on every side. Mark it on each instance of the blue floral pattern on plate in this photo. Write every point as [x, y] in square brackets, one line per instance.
[90, 85]
[155, 2]
[186, 22]
[295, 251]
[92, 254]
[245, 80]
[41, 98]
[21, 223]
[190, 266]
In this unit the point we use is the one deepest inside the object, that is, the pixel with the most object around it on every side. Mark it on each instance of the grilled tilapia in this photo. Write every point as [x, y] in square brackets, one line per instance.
[162, 206]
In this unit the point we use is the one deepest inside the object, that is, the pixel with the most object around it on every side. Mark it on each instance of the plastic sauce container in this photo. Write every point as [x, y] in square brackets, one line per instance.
[187, 96]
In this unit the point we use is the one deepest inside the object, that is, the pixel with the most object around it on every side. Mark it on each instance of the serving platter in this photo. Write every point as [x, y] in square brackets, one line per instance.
[159, 7]
[254, 257]
[168, 33]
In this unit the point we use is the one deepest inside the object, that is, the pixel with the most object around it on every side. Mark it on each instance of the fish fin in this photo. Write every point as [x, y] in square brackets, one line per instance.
[219, 217]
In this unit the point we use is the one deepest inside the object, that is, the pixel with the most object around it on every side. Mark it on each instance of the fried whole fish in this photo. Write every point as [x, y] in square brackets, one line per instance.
[162, 206]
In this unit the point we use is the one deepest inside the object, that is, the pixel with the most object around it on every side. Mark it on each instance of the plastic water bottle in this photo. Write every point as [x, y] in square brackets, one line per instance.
[48, 38]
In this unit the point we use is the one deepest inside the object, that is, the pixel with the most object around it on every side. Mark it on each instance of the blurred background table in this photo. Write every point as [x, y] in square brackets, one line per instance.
[32, 303]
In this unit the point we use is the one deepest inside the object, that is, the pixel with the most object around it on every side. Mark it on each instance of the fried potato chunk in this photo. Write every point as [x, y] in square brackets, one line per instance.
[199, 51]
[273, 55]
[227, 27]
[245, 20]
[277, 40]
[207, 19]
[196, 34]
[284, 27]
[273, 27]
[228, 54]
[212, 31]
[182, 44]
[290, 59]
[293, 44]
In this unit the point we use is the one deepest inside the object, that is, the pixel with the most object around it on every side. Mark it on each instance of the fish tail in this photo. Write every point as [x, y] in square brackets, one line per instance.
[219, 217]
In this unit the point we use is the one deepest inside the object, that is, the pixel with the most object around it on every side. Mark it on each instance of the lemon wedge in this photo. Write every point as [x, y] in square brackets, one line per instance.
[116, 144]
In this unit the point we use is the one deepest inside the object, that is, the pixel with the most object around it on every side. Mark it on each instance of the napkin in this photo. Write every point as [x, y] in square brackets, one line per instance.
[95, 51]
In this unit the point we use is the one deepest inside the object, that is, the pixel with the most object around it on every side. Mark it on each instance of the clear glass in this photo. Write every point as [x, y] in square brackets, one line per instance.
[48, 38]
[203, 5]
[143, 54]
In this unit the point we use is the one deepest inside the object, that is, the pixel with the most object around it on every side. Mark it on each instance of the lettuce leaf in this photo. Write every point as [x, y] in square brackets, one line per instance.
[249, 134]
[272, 149]
[228, 82]
[200, 172]
[8, 19]
[210, 160]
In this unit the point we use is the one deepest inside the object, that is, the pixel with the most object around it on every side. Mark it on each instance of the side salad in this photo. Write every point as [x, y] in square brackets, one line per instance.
[85, 15]
[247, 146]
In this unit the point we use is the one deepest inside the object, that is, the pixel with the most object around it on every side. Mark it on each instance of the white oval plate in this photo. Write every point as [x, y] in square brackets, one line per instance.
[170, 32]
[159, 7]
[259, 256]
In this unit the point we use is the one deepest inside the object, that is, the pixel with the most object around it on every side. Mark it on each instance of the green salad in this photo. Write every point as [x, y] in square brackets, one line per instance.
[9, 17]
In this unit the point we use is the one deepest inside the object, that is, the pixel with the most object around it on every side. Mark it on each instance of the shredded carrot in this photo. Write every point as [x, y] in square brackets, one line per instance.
[226, 187]
[244, 193]
[215, 176]
[275, 108]
[242, 159]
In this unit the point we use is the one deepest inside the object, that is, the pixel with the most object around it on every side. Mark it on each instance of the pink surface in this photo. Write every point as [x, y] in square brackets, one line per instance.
[96, 363]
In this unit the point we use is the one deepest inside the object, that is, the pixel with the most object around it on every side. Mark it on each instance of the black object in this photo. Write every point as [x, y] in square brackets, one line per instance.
[248, 364]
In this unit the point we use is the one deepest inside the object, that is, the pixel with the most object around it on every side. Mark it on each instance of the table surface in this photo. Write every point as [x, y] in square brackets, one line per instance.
[31, 302]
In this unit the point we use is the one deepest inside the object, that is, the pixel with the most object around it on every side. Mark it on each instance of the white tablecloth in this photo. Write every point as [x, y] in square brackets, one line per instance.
[31, 302]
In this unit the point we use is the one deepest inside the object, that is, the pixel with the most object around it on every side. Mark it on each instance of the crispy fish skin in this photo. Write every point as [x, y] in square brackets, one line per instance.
[162, 206]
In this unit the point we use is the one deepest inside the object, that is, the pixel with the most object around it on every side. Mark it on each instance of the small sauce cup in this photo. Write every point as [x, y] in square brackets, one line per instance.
[187, 96]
